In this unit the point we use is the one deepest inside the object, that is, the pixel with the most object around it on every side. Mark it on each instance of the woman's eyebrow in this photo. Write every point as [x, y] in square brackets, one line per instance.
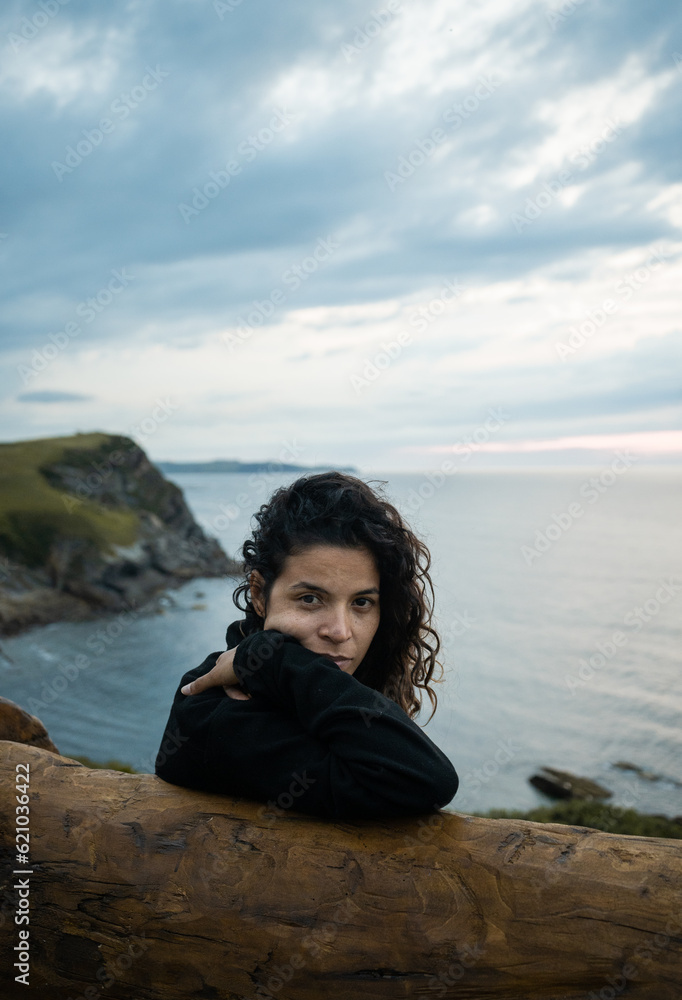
[304, 585]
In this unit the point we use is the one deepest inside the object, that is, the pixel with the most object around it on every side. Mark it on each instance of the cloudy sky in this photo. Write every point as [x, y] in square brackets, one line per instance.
[364, 234]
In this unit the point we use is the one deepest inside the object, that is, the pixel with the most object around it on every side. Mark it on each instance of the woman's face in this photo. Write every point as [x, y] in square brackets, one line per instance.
[327, 597]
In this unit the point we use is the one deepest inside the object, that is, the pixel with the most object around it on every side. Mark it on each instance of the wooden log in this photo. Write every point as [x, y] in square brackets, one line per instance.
[143, 891]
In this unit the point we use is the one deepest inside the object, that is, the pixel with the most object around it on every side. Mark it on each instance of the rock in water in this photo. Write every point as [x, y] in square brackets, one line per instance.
[564, 785]
[89, 523]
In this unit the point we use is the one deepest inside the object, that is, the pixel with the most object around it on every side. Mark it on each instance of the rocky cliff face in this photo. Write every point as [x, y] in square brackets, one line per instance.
[96, 528]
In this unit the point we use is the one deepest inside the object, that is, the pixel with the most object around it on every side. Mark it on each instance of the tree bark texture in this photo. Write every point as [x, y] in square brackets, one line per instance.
[145, 891]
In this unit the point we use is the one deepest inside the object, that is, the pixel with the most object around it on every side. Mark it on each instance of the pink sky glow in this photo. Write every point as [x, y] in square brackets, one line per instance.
[644, 442]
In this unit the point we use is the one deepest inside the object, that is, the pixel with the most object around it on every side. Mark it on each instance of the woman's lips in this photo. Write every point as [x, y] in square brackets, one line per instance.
[340, 661]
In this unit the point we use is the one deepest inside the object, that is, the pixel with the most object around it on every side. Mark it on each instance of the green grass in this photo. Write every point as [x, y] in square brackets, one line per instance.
[612, 819]
[33, 514]
[111, 765]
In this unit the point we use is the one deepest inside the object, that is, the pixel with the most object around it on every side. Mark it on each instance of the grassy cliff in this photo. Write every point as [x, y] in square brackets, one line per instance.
[33, 513]
[88, 523]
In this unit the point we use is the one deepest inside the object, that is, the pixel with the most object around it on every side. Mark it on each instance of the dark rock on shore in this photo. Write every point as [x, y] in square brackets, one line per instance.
[624, 765]
[564, 785]
[27, 598]
[88, 524]
[19, 726]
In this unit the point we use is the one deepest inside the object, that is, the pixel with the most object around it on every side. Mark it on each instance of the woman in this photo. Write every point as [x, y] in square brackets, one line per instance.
[312, 703]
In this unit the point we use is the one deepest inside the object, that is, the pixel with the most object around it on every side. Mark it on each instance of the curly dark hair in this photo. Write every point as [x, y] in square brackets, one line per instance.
[333, 508]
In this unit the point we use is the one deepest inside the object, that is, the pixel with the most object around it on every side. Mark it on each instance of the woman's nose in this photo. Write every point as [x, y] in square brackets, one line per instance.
[336, 625]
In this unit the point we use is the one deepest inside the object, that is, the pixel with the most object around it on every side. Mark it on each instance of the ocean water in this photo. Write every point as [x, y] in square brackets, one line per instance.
[559, 603]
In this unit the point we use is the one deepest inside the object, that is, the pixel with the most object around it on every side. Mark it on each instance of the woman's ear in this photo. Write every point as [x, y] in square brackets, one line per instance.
[257, 587]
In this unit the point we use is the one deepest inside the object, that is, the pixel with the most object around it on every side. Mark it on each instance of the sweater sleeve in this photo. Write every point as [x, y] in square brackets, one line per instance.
[360, 753]
[181, 757]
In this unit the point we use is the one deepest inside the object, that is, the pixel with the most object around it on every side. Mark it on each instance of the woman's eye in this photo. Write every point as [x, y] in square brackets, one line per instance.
[363, 603]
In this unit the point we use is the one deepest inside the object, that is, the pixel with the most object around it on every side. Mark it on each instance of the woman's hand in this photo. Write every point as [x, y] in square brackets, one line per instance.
[220, 675]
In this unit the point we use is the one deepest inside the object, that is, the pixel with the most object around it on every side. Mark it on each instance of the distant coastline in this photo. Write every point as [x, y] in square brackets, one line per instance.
[232, 465]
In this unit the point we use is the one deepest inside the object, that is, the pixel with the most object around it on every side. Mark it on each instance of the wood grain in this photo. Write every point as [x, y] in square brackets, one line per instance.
[144, 891]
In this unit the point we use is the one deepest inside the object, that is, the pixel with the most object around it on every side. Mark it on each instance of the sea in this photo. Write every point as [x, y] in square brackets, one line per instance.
[558, 598]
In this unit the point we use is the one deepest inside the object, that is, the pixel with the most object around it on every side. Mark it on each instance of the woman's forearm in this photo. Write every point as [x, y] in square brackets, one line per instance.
[382, 751]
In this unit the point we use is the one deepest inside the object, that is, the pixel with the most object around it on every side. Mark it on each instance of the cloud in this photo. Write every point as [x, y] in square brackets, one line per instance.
[486, 114]
[53, 396]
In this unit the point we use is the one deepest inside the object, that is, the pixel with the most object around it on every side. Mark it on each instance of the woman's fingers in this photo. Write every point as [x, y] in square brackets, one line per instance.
[236, 693]
[199, 685]
[220, 675]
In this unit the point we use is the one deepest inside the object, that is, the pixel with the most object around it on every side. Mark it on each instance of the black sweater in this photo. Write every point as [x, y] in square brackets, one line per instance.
[311, 737]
